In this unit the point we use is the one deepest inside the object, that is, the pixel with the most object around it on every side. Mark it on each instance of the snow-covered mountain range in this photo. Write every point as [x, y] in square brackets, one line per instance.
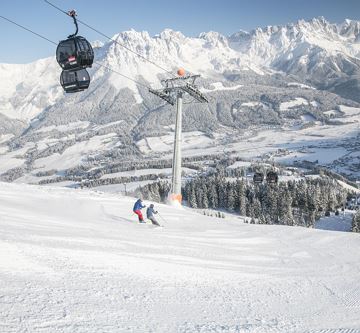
[303, 73]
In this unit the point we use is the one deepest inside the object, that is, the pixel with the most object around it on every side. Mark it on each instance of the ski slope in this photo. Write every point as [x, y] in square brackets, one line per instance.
[76, 261]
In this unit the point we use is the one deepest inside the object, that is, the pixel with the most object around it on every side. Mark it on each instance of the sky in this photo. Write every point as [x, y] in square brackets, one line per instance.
[191, 17]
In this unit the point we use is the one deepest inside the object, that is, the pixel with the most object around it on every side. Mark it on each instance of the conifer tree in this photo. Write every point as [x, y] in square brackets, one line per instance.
[222, 192]
[205, 200]
[257, 208]
[241, 197]
[213, 196]
[230, 197]
[192, 197]
[355, 227]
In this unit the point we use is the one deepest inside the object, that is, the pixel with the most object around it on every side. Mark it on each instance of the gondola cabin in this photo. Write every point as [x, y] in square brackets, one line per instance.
[74, 53]
[258, 177]
[272, 177]
[75, 81]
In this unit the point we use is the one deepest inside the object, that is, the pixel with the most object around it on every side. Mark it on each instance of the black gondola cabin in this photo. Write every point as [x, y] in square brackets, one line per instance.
[258, 177]
[74, 53]
[272, 177]
[75, 81]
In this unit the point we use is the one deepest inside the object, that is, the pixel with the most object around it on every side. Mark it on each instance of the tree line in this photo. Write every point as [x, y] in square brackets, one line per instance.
[300, 202]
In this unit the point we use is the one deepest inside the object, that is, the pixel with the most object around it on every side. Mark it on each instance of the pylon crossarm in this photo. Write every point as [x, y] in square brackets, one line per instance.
[194, 92]
[171, 82]
[164, 95]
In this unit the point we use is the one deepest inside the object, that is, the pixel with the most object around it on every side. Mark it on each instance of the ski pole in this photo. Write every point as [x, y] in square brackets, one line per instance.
[162, 218]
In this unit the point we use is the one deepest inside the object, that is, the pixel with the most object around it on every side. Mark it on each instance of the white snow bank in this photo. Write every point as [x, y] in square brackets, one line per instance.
[251, 104]
[5, 137]
[348, 187]
[295, 102]
[220, 86]
[299, 85]
[239, 164]
[349, 111]
[7, 163]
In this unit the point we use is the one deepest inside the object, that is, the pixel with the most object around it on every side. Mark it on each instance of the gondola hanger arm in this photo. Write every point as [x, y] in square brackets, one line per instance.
[72, 13]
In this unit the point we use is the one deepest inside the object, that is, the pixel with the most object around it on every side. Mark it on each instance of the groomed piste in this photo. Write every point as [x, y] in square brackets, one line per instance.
[77, 261]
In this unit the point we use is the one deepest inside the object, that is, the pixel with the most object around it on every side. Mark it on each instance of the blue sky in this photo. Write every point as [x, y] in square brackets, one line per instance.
[189, 16]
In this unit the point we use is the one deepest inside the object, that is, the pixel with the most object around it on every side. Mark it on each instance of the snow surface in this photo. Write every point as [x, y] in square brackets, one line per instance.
[190, 140]
[348, 187]
[220, 86]
[239, 164]
[349, 111]
[296, 102]
[5, 137]
[300, 85]
[308, 117]
[7, 163]
[73, 155]
[76, 261]
[251, 104]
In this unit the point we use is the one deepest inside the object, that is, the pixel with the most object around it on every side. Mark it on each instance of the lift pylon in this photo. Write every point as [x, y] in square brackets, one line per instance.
[173, 93]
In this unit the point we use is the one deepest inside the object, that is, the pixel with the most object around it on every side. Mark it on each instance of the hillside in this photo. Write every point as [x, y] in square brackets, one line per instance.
[76, 261]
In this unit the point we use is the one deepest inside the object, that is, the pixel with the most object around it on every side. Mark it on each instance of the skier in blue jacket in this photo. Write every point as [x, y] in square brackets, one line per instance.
[150, 212]
[137, 210]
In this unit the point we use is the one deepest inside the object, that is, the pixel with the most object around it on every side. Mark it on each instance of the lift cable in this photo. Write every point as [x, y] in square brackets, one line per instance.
[97, 63]
[115, 41]
[52, 42]
[22, 27]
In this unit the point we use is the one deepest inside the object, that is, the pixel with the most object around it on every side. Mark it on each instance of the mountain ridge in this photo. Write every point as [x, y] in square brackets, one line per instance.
[291, 49]
[274, 77]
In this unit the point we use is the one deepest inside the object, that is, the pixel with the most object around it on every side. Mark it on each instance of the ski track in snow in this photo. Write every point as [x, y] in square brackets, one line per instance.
[336, 331]
[77, 261]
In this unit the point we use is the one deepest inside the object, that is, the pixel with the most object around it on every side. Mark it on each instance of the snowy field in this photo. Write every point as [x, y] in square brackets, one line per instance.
[328, 144]
[76, 261]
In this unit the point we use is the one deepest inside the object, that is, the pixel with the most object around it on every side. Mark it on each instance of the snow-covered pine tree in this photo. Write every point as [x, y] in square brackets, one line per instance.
[310, 205]
[213, 195]
[241, 197]
[222, 195]
[271, 205]
[332, 197]
[199, 193]
[355, 226]
[192, 196]
[205, 200]
[250, 205]
[230, 205]
[257, 208]
[284, 204]
[318, 200]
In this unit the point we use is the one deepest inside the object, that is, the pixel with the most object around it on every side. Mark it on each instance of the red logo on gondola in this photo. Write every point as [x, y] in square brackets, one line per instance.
[71, 58]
